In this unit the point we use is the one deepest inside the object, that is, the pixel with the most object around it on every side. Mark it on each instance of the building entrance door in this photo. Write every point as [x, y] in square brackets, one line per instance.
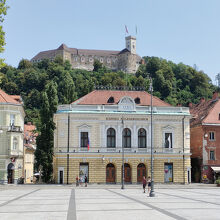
[83, 170]
[11, 169]
[127, 173]
[168, 172]
[110, 173]
[141, 172]
[61, 177]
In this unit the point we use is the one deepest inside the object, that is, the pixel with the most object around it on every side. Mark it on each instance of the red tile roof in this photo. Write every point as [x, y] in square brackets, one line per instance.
[205, 112]
[5, 98]
[100, 97]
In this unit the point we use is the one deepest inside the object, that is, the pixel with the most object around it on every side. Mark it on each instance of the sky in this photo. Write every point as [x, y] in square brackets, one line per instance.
[186, 31]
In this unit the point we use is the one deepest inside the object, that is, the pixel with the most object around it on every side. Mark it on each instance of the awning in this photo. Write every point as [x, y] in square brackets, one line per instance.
[216, 169]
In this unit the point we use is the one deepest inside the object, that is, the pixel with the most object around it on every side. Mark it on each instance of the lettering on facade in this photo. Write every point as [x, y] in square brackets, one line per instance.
[127, 119]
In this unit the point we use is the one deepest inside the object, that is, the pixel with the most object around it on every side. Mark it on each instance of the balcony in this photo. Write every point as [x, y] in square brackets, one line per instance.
[13, 128]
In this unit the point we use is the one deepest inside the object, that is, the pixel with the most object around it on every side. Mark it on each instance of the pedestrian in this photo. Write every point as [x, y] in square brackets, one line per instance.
[77, 181]
[144, 183]
[149, 184]
[86, 180]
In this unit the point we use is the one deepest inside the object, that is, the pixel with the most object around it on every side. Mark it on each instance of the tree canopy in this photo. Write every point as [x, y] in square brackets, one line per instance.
[47, 83]
[3, 12]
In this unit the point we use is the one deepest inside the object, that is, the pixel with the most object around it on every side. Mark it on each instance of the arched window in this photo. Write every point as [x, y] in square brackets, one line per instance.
[142, 139]
[111, 100]
[15, 143]
[126, 140]
[137, 100]
[111, 137]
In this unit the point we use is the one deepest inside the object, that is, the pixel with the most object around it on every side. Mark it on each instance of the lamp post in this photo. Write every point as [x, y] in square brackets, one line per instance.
[123, 165]
[152, 194]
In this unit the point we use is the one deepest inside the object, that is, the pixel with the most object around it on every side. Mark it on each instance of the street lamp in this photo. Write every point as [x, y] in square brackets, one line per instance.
[123, 165]
[152, 194]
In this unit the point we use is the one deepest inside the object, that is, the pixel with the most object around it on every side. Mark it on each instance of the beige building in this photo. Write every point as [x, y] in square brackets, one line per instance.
[11, 138]
[29, 149]
[126, 60]
[91, 133]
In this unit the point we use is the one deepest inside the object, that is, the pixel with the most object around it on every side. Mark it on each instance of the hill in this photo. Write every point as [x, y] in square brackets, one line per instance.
[173, 83]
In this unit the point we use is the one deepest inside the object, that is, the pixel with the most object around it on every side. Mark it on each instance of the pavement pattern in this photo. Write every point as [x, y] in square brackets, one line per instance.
[98, 202]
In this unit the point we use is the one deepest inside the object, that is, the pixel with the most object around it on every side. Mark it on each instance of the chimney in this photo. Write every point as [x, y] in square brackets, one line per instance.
[29, 123]
[215, 95]
[179, 105]
[202, 100]
[190, 104]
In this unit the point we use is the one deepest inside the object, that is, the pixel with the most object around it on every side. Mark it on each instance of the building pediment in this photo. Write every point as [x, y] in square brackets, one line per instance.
[84, 126]
[168, 127]
[126, 103]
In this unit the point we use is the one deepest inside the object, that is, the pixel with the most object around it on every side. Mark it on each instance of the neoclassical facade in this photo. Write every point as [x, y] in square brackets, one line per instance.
[11, 138]
[126, 60]
[92, 132]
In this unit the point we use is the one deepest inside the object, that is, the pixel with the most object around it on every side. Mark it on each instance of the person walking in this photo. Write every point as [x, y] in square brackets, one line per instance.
[149, 184]
[86, 180]
[77, 181]
[144, 181]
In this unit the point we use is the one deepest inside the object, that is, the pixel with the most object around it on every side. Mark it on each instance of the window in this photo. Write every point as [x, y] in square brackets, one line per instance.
[142, 138]
[211, 136]
[108, 60]
[111, 100]
[15, 143]
[137, 100]
[82, 59]
[219, 116]
[84, 139]
[90, 60]
[101, 60]
[12, 120]
[111, 137]
[126, 141]
[168, 140]
[212, 155]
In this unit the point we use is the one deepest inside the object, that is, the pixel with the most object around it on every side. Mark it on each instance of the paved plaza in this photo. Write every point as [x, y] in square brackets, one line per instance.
[98, 202]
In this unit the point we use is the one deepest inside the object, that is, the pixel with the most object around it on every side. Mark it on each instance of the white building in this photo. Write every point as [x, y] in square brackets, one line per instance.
[11, 138]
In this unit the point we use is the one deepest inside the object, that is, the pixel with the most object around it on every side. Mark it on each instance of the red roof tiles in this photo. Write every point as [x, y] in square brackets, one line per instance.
[206, 112]
[100, 97]
[5, 98]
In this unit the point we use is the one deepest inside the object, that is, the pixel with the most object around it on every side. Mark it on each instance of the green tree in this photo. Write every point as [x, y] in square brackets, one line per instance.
[3, 11]
[44, 151]
[66, 89]
[97, 66]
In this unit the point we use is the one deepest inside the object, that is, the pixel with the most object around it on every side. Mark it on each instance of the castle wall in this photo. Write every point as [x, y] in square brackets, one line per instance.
[81, 61]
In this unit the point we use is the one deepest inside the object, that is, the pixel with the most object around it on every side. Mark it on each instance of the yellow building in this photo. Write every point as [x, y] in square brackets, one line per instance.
[92, 132]
[29, 149]
[11, 138]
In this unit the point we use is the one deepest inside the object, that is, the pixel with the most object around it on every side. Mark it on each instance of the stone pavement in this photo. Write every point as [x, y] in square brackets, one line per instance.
[98, 202]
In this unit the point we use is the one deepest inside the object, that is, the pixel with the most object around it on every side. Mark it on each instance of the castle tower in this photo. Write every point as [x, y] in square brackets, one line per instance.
[130, 44]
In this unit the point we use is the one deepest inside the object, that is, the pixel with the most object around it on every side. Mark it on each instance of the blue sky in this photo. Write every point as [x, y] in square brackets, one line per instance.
[185, 31]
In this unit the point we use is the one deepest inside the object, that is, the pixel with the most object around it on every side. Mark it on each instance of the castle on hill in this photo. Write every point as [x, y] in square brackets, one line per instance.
[125, 60]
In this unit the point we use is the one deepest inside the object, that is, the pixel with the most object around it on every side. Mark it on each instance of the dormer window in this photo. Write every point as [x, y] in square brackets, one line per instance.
[111, 100]
[137, 100]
